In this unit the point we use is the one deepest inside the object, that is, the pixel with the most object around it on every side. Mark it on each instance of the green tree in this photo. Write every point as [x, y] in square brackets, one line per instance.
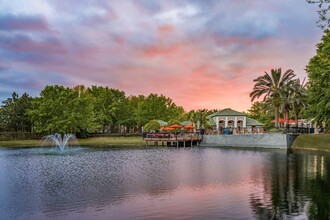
[62, 110]
[133, 102]
[270, 85]
[286, 101]
[262, 112]
[298, 99]
[126, 114]
[13, 113]
[318, 87]
[152, 125]
[324, 8]
[173, 122]
[199, 118]
[157, 107]
[108, 106]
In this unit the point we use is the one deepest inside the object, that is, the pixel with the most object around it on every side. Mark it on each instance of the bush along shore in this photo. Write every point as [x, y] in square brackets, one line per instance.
[312, 142]
[92, 141]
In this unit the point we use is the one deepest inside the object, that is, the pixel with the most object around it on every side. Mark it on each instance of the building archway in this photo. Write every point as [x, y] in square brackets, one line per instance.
[239, 125]
[230, 124]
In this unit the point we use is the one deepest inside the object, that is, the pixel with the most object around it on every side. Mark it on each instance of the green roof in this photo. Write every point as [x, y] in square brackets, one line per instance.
[253, 122]
[184, 123]
[227, 112]
[162, 123]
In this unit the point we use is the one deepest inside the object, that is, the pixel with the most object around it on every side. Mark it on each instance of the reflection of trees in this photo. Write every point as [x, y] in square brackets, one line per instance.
[296, 185]
[318, 186]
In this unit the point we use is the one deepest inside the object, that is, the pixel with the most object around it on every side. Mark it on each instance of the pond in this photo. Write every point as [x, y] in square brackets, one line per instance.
[163, 183]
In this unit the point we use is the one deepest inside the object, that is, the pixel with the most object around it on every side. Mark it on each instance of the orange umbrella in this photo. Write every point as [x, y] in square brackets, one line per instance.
[175, 126]
[282, 120]
[189, 127]
[168, 129]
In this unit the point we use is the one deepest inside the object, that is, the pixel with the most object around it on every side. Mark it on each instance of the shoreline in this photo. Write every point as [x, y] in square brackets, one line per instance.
[308, 142]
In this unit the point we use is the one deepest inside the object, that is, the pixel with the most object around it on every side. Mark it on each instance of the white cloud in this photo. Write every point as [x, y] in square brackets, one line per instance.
[177, 15]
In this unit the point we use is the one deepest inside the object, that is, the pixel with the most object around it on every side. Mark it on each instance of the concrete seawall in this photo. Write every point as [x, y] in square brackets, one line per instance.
[282, 141]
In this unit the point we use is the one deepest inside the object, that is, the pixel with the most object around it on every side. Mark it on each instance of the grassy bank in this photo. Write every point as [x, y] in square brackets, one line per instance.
[94, 141]
[312, 142]
[113, 141]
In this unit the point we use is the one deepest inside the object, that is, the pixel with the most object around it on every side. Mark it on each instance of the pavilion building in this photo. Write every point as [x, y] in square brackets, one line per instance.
[236, 122]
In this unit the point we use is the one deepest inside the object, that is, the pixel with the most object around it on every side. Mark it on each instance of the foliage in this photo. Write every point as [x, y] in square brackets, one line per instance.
[270, 86]
[152, 125]
[63, 110]
[13, 113]
[173, 122]
[318, 88]
[199, 118]
[298, 99]
[109, 106]
[81, 110]
[324, 8]
[157, 107]
[262, 112]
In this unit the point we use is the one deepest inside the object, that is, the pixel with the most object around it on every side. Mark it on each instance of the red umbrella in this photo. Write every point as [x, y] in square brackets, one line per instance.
[175, 126]
[188, 127]
[282, 120]
[168, 129]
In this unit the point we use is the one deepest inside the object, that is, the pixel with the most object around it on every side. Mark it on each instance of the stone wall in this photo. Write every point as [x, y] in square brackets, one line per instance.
[247, 140]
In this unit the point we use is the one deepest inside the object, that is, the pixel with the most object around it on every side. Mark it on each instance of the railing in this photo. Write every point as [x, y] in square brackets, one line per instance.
[299, 130]
[172, 136]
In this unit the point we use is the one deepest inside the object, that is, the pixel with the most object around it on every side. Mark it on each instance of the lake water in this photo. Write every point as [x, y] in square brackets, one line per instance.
[163, 183]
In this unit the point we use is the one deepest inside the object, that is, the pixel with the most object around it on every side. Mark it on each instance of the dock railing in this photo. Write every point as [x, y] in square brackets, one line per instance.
[299, 130]
[163, 136]
[173, 138]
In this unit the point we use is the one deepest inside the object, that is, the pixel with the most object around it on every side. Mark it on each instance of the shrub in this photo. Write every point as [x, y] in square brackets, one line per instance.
[152, 125]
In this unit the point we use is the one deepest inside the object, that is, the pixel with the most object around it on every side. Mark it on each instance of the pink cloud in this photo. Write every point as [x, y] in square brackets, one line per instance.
[166, 28]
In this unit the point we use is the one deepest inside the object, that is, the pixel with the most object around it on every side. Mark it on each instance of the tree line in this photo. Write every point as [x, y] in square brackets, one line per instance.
[84, 110]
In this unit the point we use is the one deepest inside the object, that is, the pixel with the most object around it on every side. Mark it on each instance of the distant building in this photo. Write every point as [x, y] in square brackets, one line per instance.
[236, 122]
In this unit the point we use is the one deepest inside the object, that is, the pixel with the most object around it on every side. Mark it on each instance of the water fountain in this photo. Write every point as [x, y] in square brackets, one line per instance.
[58, 141]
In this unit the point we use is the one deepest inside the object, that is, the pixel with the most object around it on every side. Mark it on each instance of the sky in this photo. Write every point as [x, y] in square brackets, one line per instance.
[200, 53]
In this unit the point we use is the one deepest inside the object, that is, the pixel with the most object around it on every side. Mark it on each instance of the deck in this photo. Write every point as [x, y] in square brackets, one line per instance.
[186, 139]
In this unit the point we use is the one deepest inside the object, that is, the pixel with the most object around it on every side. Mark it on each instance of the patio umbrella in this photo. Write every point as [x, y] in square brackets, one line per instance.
[175, 126]
[168, 129]
[291, 121]
[280, 120]
[188, 127]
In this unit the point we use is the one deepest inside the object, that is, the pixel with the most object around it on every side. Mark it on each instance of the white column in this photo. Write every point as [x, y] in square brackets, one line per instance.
[235, 122]
[244, 122]
[217, 122]
[226, 122]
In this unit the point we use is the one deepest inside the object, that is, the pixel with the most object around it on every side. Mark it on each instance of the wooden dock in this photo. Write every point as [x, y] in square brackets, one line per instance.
[185, 139]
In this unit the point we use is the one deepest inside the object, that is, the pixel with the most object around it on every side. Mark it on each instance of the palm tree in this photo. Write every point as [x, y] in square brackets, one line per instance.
[198, 117]
[298, 99]
[286, 102]
[270, 86]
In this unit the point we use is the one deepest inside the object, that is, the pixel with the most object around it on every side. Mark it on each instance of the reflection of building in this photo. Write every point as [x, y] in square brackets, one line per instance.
[237, 122]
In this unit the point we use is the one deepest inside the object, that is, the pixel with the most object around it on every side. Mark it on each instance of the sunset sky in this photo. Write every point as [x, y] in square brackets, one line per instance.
[200, 53]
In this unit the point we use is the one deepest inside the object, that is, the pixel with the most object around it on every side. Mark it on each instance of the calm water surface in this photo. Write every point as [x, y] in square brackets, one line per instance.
[163, 183]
